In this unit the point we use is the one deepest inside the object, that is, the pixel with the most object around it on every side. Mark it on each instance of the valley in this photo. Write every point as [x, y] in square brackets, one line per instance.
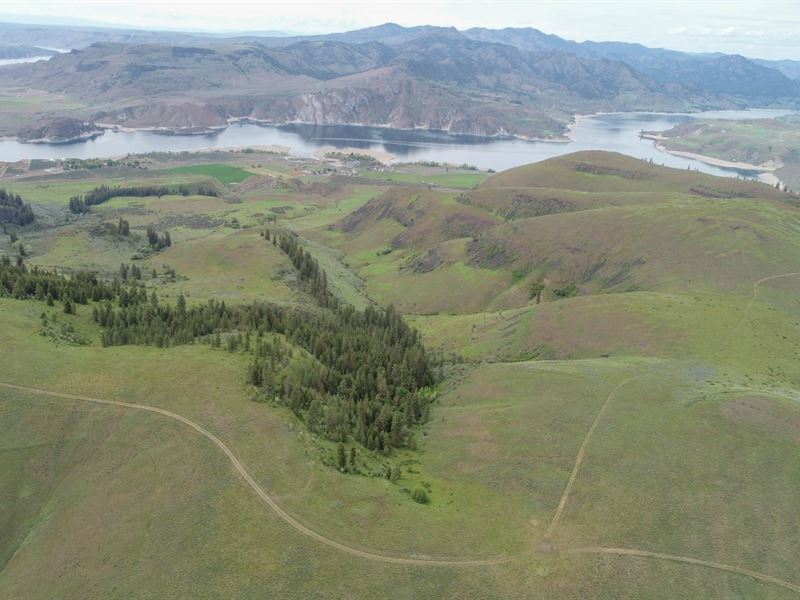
[616, 406]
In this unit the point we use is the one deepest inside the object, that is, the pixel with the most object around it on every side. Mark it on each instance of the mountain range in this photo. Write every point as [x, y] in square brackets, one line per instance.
[518, 82]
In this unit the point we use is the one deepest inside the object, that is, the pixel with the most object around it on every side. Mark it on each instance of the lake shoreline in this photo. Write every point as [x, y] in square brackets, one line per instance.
[718, 162]
[617, 132]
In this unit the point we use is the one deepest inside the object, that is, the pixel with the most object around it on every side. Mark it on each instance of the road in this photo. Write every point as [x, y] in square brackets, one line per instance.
[266, 498]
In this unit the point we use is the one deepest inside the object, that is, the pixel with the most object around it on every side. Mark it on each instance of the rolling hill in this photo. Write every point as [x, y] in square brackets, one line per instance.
[564, 223]
[628, 428]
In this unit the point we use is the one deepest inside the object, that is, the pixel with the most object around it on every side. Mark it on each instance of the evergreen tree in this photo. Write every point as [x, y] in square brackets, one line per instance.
[341, 458]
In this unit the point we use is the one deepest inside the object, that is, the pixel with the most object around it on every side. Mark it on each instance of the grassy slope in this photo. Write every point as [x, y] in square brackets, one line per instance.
[757, 141]
[754, 141]
[693, 458]
[612, 229]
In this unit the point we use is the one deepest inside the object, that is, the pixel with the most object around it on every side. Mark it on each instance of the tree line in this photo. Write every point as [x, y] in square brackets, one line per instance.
[307, 267]
[81, 204]
[14, 210]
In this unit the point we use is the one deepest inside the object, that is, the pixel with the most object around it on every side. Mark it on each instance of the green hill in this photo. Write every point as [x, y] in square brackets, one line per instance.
[618, 414]
[581, 224]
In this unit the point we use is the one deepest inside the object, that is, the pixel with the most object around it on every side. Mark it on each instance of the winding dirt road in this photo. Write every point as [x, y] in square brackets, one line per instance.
[266, 498]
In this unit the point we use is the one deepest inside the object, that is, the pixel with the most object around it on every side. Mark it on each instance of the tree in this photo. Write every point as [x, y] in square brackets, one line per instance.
[397, 430]
[68, 308]
[535, 291]
[314, 415]
[341, 458]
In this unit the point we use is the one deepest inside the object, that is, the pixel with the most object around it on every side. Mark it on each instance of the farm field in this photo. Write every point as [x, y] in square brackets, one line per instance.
[616, 410]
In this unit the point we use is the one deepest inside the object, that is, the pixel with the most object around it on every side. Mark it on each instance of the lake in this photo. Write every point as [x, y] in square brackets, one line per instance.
[614, 132]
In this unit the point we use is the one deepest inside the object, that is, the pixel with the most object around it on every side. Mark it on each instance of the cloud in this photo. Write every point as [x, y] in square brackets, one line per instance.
[736, 26]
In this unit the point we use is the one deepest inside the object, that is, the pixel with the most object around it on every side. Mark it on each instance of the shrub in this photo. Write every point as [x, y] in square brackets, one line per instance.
[420, 496]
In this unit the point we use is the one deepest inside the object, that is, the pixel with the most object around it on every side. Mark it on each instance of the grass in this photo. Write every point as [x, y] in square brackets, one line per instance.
[222, 172]
[695, 457]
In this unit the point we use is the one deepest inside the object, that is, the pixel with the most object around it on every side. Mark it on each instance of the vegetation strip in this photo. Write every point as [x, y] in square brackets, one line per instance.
[239, 467]
[688, 560]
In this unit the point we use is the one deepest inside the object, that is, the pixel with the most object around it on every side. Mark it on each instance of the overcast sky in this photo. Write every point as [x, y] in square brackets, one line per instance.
[763, 29]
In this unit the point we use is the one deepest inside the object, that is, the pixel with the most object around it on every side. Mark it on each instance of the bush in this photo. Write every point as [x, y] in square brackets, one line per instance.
[420, 496]
[567, 292]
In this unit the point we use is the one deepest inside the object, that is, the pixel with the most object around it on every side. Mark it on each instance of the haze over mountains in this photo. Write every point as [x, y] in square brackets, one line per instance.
[518, 82]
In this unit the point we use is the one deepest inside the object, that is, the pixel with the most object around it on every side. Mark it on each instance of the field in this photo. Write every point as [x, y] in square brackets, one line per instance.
[221, 172]
[633, 436]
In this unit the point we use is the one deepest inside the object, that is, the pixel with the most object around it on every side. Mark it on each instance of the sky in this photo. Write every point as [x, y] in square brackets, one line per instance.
[759, 29]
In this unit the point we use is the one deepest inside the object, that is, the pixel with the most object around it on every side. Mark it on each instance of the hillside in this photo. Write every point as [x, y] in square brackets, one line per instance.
[483, 82]
[717, 74]
[435, 82]
[615, 412]
[772, 145]
[565, 225]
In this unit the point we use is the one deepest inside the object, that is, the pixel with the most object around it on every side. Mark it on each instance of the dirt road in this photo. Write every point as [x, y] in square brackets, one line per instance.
[267, 499]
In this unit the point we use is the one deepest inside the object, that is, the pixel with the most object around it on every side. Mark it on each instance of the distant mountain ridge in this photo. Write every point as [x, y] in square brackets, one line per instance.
[518, 82]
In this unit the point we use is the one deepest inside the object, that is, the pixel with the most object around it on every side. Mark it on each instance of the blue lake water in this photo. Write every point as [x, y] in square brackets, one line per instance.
[613, 132]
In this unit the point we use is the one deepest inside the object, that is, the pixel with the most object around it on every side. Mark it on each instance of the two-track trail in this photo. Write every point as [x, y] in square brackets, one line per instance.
[266, 498]
[584, 445]
[687, 560]
[645, 553]
[562, 504]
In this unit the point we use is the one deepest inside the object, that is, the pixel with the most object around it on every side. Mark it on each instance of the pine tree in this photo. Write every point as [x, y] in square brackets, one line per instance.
[341, 458]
